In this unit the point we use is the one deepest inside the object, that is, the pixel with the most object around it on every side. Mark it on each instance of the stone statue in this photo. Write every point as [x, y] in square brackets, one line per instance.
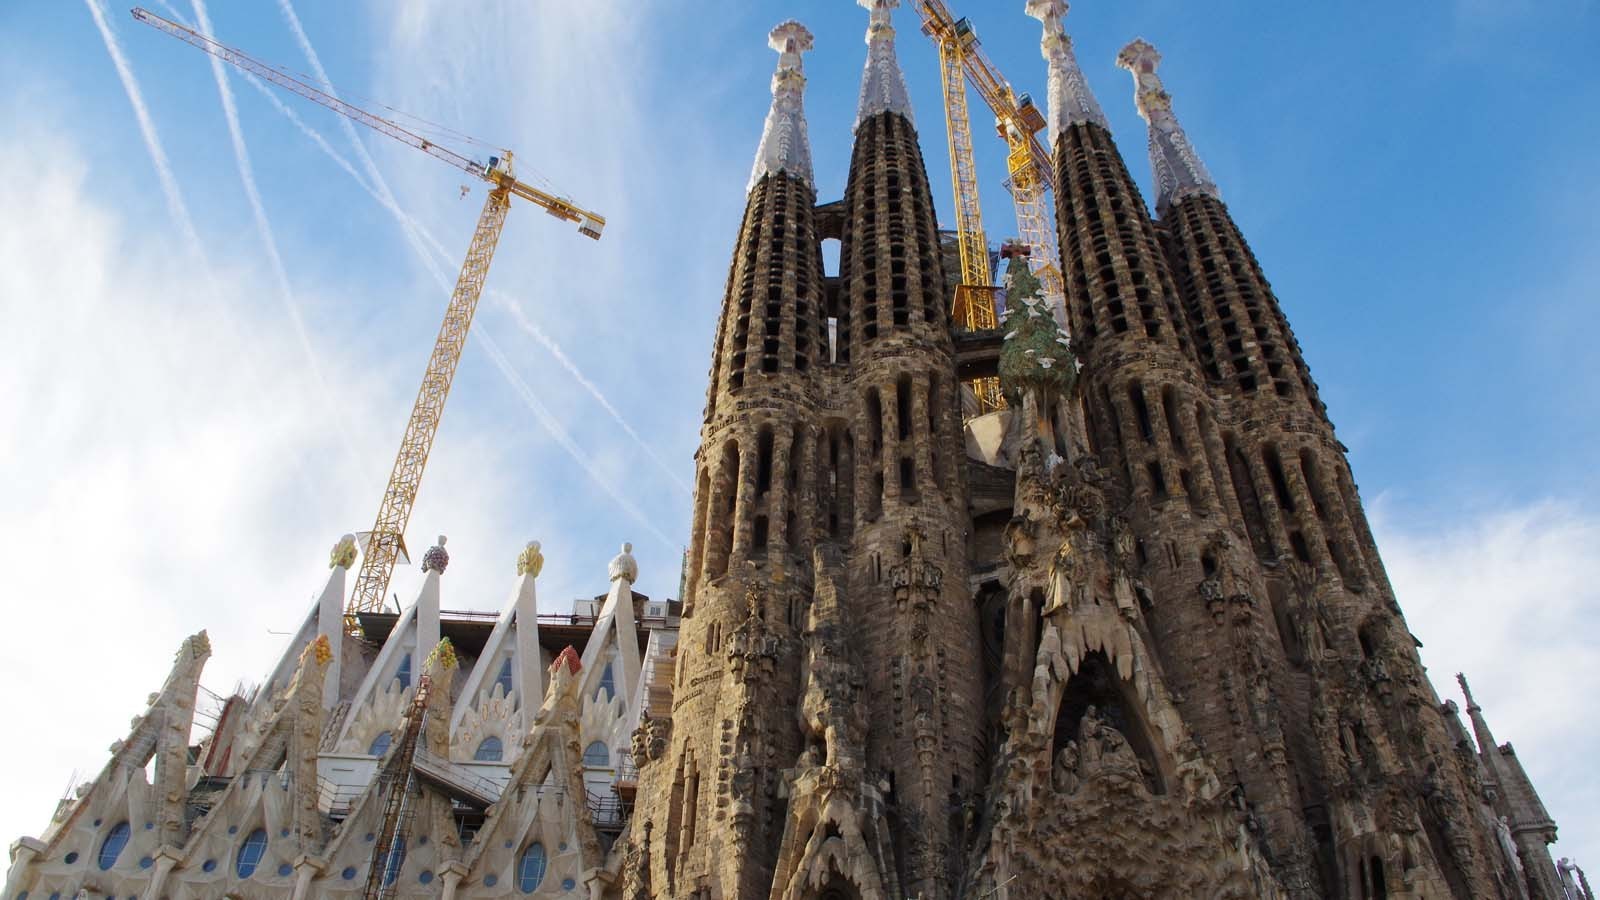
[1066, 769]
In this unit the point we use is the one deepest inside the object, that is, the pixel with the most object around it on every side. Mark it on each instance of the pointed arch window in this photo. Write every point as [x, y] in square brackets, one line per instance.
[111, 847]
[403, 674]
[530, 868]
[504, 678]
[596, 755]
[380, 744]
[490, 750]
[608, 684]
[250, 853]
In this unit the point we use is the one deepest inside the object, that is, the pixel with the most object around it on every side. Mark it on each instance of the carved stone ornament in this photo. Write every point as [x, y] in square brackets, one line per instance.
[530, 561]
[436, 559]
[343, 554]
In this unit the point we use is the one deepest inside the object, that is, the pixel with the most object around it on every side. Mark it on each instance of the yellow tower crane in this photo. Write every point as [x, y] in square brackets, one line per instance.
[1017, 122]
[386, 543]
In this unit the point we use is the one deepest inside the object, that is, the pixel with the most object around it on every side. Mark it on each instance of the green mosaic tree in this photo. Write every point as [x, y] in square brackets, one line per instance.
[1036, 354]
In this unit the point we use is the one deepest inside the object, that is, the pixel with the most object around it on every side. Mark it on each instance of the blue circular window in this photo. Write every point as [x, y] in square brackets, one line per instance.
[349, 873]
[491, 880]
[285, 870]
[568, 884]
[425, 877]
[111, 847]
[250, 853]
[209, 865]
[71, 857]
[146, 862]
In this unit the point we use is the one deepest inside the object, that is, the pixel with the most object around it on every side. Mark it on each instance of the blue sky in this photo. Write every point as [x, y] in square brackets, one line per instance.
[1418, 180]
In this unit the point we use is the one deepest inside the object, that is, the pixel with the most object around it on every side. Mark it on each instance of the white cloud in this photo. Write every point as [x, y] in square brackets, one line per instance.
[1511, 598]
[156, 482]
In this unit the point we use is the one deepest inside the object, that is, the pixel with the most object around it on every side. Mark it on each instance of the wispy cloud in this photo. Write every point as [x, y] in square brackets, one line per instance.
[147, 130]
[1510, 598]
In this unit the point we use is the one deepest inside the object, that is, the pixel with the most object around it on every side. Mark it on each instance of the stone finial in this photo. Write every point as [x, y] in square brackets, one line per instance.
[1472, 705]
[567, 659]
[436, 559]
[883, 85]
[1179, 173]
[1071, 101]
[530, 561]
[441, 658]
[343, 554]
[624, 566]
[785, 146]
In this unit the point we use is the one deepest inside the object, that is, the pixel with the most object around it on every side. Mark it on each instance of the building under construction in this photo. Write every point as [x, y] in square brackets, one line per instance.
[1067, 596]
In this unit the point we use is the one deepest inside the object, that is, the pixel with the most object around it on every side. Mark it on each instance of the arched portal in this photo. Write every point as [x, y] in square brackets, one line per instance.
[1097, 685]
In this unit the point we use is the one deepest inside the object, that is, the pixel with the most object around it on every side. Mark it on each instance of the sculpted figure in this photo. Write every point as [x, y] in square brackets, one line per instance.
[1066, 768]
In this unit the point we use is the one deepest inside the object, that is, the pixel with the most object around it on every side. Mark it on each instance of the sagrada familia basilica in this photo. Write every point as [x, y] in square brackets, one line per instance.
[1128, 636]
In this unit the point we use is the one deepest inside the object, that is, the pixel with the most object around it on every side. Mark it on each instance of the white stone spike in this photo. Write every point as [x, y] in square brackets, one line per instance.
[515, 633]
[883, 85]
[785, 145]
[330, 619]
[615, 624]
[1179, 173]
[1071, 101]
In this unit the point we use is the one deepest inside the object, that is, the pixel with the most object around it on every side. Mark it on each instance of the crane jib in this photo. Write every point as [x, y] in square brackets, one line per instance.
[394, 512]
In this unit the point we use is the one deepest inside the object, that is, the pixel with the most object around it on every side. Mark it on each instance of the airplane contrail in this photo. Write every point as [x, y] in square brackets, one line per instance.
[416, 232]
[147, 129]
[553, 425]
[241, 156]
[428, 257]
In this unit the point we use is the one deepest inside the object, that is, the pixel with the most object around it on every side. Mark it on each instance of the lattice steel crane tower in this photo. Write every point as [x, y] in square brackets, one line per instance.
[386, 542]
[1017, 122]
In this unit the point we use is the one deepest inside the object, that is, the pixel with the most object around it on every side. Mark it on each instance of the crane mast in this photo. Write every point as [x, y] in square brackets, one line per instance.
[386, 542]
[974, 308]
[1017, 122]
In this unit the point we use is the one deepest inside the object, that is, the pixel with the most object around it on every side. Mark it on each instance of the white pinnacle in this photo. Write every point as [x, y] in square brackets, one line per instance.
[1071, 101]
[785, 147]
[883, 85]
[1179, 173]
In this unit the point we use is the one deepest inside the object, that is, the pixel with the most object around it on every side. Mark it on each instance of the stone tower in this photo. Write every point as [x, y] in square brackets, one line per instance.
[825, 723]
[1257, 655]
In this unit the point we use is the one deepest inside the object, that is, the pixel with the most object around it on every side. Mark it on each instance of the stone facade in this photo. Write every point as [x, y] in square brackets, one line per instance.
[1129, 637]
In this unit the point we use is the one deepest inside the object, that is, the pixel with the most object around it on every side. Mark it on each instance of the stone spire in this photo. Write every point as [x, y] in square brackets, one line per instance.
[784, 144]
[883, 85]
[1071, 101]
[1480, 726]
[1179, 173]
